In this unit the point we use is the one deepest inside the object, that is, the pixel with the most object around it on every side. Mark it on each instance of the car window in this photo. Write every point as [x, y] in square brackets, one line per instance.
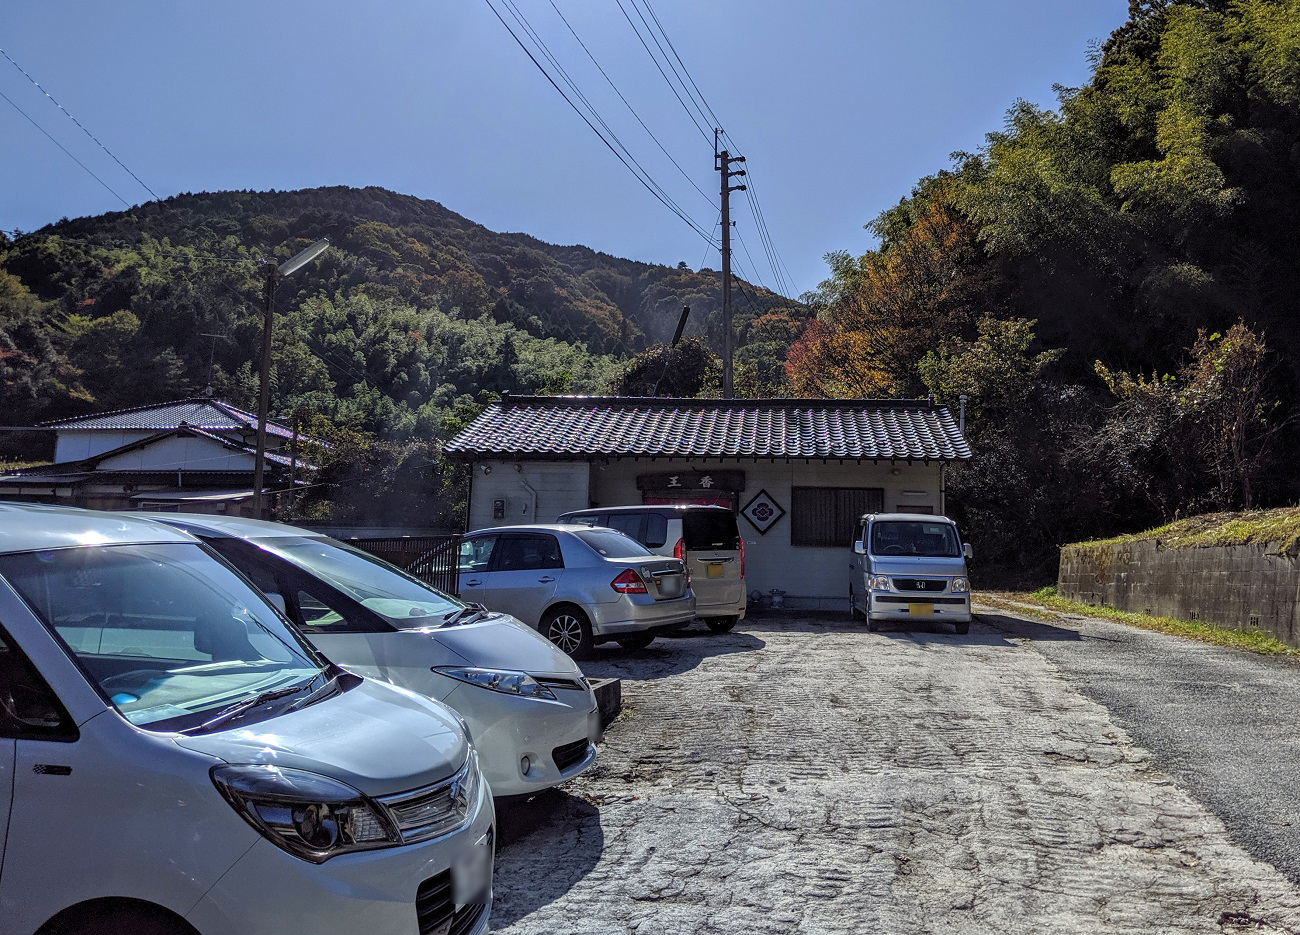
[612, 544]
[475, 554]
[896, 537]
[655, 534]
[29, 708]
[168, 634]
[587, 519]
[629, 524]
[523, 553]
[710, 529]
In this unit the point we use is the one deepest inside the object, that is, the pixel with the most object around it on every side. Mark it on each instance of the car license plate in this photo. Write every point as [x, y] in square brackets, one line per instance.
[714, 570]
[471, 874]
[921, 610]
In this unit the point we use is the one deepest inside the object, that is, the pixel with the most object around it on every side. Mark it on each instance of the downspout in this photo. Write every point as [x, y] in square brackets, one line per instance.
[943, 488]
[524, 484]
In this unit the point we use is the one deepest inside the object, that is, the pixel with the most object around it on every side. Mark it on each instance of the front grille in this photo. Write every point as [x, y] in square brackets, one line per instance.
[892, 599]
[921, 584]
[569, 754]
[436, 912]
[434, 810]
[566, 684]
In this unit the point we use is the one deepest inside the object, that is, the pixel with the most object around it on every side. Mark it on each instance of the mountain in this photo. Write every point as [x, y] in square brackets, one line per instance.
[412, 311]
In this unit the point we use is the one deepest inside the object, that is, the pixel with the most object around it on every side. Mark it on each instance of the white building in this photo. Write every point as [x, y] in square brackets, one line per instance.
[798, 472]
[195, 454]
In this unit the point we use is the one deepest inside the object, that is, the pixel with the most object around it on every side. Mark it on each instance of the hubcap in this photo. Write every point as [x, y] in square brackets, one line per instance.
[565, 632]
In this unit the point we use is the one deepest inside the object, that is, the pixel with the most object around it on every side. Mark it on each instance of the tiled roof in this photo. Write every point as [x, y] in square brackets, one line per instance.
[592, 426]
[200, 412]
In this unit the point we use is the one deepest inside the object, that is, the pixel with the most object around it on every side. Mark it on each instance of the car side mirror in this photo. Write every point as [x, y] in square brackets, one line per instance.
[966, 551]
[859, 548]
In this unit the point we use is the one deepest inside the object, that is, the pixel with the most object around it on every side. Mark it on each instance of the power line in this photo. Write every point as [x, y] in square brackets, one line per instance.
[699, 126]
[645, 181]
[78, 123]
[713, 117]
[68, 154]
[630, 108]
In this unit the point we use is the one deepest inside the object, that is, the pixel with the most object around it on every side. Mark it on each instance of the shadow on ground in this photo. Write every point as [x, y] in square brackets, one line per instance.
[670, 653]
[546, 844]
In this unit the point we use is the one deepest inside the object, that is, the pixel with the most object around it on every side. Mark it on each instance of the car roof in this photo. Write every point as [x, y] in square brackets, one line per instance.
[30, 527]
[909, 517]
[648, 507]
[229, 527]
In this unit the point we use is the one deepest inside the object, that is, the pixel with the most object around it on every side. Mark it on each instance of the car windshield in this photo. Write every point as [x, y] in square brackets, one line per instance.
[611, 544]
[399, 598]
[171, 636]
[932, 540]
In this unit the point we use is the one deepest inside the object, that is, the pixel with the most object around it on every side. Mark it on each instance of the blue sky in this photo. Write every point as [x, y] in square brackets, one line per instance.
[839, 107]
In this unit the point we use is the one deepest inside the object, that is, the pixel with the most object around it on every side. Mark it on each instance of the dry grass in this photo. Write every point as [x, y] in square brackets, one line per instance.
[1251, 640]
[1279, 528]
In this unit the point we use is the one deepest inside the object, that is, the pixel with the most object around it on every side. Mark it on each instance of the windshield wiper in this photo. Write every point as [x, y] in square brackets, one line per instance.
[466, 613]
[317, 695]
[239, 707]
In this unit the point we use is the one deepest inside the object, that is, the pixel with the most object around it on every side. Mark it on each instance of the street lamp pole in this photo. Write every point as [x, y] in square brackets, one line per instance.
[273, 277]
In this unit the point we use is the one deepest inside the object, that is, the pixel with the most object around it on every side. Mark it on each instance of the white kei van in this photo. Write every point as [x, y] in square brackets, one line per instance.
[909, 567]
[175, 760]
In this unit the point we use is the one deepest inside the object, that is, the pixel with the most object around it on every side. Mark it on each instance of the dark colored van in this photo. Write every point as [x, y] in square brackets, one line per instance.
[706, 538]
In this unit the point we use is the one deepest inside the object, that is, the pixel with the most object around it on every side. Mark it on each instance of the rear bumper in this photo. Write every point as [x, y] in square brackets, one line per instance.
[635, 614]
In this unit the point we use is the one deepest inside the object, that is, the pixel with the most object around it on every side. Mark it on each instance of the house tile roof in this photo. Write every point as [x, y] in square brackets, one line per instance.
[591, 426]
[200, 412]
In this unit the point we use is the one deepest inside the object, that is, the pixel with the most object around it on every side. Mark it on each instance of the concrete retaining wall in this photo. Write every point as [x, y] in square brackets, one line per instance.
[1231, 586]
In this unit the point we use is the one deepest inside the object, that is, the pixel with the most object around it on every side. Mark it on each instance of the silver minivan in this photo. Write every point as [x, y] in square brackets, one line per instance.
[909, 567]
[706, 538]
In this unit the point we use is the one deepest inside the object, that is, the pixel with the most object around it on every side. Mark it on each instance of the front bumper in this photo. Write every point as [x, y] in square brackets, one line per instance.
[506, 729]
[270, 892]
[945, 608]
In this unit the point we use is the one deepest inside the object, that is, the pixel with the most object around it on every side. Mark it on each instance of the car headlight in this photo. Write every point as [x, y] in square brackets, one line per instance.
[498, 680]
[959, 584]
[878, 582]
[309, 815]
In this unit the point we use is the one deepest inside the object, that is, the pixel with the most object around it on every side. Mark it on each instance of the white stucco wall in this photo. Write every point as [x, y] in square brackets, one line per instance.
[73, 446]
[559, 486]
[180, 453]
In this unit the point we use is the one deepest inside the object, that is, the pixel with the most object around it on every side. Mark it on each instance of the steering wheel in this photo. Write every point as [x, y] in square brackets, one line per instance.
[892, 550]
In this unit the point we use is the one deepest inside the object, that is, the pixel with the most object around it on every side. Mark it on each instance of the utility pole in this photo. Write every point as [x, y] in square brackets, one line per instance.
[722, 161]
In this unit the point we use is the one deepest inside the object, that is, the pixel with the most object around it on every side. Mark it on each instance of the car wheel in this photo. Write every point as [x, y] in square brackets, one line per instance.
[636, 642]
[854, 613]
[872, 625]
[961, 628]
[569, 629]
[720, 624]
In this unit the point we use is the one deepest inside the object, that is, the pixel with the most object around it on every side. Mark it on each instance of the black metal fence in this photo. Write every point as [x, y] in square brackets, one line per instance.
[429, 558]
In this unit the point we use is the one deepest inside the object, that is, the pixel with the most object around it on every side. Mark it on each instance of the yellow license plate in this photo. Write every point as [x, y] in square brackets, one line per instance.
[714, 571]
[921, 610]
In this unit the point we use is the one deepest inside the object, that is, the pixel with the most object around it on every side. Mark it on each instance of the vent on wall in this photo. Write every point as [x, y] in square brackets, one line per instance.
[1254, 621]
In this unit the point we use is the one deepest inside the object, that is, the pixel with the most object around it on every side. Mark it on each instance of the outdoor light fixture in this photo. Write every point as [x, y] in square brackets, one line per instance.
[273, 276]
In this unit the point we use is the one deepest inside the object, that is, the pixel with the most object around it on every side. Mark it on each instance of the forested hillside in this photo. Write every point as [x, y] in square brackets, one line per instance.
[385, 344]
[1113, 282]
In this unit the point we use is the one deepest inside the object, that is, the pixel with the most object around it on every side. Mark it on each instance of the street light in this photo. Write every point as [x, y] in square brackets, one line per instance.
[273, 276]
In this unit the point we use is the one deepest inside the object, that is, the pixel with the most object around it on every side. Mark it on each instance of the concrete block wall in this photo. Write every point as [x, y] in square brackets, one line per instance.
[1249, 585]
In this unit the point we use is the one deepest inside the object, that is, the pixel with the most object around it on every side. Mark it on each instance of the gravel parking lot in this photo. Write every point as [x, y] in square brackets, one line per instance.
[803, 775]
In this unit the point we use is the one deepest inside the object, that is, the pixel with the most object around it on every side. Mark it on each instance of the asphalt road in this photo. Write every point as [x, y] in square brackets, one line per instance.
[1225, 724]
[804, 775]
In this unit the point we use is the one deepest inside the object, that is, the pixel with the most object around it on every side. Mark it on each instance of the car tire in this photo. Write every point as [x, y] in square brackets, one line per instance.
[872, 625]
[854, 613]
[636, 642]
[569, 629]
[720, 624]
[962, 628]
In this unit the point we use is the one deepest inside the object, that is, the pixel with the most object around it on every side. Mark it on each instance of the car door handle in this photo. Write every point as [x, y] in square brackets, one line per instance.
[547, 580]
[472, 581]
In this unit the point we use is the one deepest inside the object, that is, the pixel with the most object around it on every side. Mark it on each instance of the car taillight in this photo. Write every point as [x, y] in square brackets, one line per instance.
[628, 582]
[742, 556]
[679, 550]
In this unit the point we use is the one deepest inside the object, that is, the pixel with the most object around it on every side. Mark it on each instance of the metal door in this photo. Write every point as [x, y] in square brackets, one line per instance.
[526, 567]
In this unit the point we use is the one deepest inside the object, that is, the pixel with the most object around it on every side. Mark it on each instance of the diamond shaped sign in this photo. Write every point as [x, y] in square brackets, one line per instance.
[762, 512]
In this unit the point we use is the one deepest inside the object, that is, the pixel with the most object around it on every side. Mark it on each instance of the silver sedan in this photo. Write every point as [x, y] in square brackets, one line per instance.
[578, 585]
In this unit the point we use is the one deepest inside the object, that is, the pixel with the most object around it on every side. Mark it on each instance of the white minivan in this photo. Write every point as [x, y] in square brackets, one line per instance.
[174, 759]
[909, 567]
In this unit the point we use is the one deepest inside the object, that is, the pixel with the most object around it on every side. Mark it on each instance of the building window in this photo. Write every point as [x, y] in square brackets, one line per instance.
[828, 516]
